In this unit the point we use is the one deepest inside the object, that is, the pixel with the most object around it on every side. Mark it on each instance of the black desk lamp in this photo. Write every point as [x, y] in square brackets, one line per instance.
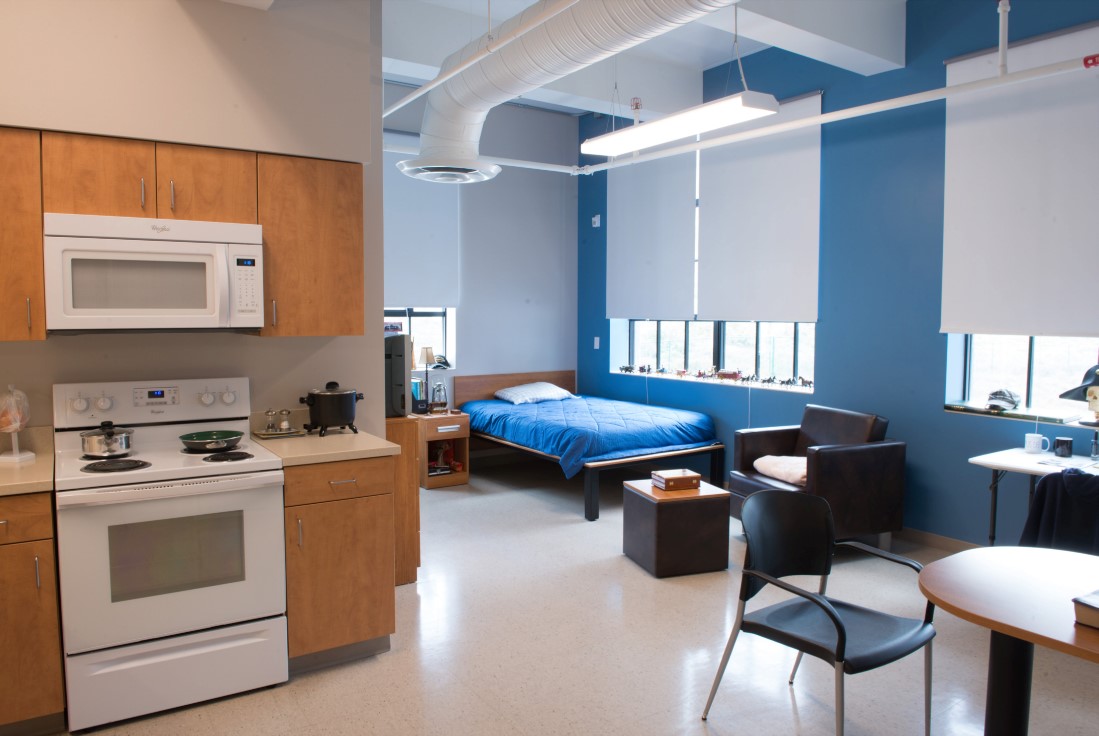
[1088, 391]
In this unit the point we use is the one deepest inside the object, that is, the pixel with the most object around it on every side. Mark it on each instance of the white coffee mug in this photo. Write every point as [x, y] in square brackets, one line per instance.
[1035, 443]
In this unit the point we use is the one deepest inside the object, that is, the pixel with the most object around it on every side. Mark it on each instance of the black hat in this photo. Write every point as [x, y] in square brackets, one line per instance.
[1001, 399]
[1080, 393]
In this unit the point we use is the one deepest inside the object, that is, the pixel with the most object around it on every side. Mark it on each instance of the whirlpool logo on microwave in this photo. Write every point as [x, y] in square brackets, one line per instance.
[161, 228]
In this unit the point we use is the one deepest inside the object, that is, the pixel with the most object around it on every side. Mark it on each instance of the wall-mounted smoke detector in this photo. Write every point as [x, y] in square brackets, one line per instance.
[448, 170]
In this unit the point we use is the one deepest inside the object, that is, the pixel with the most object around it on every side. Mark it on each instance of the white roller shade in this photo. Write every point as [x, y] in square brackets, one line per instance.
[759, 224]
[650, 239]
[422, 240]
[1021, 227]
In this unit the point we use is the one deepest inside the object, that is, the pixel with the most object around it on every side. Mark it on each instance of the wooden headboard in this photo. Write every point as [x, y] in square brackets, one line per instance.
[472, 388]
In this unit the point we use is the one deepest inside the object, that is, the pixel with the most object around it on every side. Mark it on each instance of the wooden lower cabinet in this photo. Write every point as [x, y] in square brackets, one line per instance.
[339, 556]
[404, 431]
[30, 638]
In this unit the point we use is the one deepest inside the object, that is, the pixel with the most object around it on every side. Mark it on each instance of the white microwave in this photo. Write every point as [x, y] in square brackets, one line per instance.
[135, 273]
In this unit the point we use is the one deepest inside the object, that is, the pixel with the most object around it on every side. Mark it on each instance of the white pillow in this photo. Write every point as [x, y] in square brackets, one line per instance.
[532, 393]
[786, 468]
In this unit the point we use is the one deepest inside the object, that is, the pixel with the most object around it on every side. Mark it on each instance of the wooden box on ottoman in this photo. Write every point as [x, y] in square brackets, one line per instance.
[675, 532]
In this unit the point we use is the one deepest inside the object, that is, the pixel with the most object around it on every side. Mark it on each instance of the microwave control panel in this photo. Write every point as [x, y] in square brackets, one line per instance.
[246, 285]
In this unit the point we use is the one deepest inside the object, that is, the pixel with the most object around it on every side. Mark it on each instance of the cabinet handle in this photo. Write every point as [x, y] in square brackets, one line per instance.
[274, 312]
[172, 187]
[37, 577]
[143, 192]
[342, 482]
[299, 532]
[448, 428]
[28, 312]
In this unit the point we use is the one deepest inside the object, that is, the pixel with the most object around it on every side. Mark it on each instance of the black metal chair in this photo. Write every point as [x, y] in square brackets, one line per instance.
[793, 534]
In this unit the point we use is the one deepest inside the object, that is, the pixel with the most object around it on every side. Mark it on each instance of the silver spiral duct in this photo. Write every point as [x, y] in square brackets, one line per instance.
[590, 31]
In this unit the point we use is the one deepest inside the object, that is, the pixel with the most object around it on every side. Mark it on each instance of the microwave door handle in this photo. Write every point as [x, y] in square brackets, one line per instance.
[224, 307]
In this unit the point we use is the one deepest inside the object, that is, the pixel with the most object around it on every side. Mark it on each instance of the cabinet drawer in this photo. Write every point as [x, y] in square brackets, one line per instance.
[24, 518]
[339, 480]
[446, 427]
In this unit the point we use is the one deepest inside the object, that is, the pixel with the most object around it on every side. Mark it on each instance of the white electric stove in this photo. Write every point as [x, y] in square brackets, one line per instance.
[172, 565]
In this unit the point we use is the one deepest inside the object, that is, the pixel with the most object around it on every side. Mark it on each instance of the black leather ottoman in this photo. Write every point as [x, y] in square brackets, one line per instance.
[675, 532]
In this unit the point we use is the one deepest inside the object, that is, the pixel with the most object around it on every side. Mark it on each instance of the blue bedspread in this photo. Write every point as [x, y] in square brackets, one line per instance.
[588, 428]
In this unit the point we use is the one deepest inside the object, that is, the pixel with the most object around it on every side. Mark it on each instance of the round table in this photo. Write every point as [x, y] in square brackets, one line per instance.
[1024, 596]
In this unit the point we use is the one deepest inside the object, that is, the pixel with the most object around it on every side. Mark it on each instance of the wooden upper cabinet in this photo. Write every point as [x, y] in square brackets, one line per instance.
[94, 175]
[22, 300]
[312, 216]
[212, 184]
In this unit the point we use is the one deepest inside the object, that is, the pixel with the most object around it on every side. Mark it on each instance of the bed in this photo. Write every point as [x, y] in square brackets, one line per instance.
[585, 433]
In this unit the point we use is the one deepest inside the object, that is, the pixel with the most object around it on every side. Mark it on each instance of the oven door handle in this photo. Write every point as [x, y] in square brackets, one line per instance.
[168, 489]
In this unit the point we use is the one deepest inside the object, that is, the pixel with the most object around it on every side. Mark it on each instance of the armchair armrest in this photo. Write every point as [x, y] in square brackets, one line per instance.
[751, 444]
[863, 484]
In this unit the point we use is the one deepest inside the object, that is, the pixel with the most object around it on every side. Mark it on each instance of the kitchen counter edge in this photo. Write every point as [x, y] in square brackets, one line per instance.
[333, 447]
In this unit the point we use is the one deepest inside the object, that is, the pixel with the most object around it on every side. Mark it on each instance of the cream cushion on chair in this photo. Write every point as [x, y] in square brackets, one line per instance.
[788, 468]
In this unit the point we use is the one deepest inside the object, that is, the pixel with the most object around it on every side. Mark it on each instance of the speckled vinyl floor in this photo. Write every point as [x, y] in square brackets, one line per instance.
[527, 619]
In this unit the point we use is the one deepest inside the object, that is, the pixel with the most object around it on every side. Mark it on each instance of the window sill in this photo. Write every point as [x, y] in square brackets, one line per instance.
[714, 380]
[1025, 414]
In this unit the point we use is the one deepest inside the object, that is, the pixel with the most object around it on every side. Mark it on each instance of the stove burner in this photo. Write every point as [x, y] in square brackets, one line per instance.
[91, 458]
[114, 466]
[226, 457]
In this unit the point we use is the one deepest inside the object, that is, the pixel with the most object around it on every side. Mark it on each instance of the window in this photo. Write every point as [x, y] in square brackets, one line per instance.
[1038, 369]
[426, 325]
[782, 351]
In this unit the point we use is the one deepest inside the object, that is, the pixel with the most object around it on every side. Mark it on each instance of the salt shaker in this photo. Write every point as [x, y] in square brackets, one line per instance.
[284, 420]
[270, 414]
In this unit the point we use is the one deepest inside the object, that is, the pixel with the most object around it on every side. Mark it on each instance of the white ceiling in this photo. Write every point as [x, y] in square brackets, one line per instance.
[864, 36]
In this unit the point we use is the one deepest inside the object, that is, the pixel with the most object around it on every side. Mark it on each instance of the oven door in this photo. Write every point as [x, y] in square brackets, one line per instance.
[109, 284]
[144, 561]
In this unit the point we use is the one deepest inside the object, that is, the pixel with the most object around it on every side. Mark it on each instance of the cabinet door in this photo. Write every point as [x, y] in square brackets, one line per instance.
[312, 217]
[212, 184]
[22, 304]
[30, 640]
[339, 573]
[93, 175]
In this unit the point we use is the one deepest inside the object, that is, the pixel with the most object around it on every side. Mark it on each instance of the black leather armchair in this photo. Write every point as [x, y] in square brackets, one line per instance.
[849, 463]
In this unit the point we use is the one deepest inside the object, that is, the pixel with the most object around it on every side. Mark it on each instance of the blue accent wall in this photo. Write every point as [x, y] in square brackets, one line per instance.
[878, 346]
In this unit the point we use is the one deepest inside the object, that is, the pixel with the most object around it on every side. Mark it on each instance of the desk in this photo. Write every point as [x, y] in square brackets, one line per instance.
[1024, 596]
[1017, 460]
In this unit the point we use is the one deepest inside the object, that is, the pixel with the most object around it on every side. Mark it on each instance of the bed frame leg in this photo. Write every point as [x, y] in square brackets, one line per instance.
[591, 494]
[717, 467]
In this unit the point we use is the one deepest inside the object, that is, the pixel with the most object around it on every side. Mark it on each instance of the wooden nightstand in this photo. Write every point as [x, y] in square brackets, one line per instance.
[444, 449]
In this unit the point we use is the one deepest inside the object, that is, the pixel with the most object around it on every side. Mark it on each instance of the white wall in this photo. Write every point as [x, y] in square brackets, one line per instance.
[302, 78]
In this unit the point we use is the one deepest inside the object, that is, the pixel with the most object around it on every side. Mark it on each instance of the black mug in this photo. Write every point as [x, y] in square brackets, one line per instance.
[1062, 447]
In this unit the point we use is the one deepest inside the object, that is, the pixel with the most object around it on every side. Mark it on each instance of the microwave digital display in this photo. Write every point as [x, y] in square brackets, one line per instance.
[246, 261]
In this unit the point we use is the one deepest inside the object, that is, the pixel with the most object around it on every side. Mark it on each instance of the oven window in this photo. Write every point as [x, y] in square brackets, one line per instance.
[123, 284]
[164, 556]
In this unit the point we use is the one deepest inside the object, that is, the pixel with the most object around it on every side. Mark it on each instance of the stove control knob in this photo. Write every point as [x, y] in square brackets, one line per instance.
[207, 399]
[103, 403]
[228, 397]
[79, 405]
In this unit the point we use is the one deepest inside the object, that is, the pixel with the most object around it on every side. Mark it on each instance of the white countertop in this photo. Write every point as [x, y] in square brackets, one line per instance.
[33, 476]
[335, 445]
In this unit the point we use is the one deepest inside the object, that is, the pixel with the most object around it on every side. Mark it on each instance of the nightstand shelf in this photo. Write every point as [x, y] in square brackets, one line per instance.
[444, 449]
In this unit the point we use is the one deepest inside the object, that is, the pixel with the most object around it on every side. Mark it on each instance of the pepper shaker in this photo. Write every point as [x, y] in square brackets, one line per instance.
[271, 425]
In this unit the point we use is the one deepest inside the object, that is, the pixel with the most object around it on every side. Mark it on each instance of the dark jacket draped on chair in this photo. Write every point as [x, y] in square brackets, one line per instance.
[1065, 513]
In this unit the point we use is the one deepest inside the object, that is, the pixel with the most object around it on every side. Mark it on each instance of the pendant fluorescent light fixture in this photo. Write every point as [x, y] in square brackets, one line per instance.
[738, 108]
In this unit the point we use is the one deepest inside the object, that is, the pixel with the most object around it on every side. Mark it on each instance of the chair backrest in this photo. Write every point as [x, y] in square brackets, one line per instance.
[788, 533]
[822, 425]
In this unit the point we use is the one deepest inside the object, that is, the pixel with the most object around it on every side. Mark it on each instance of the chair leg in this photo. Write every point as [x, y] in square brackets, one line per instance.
[839, 698]
[797, 663]
[927, 689]
[725, 657]
[885, 541]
